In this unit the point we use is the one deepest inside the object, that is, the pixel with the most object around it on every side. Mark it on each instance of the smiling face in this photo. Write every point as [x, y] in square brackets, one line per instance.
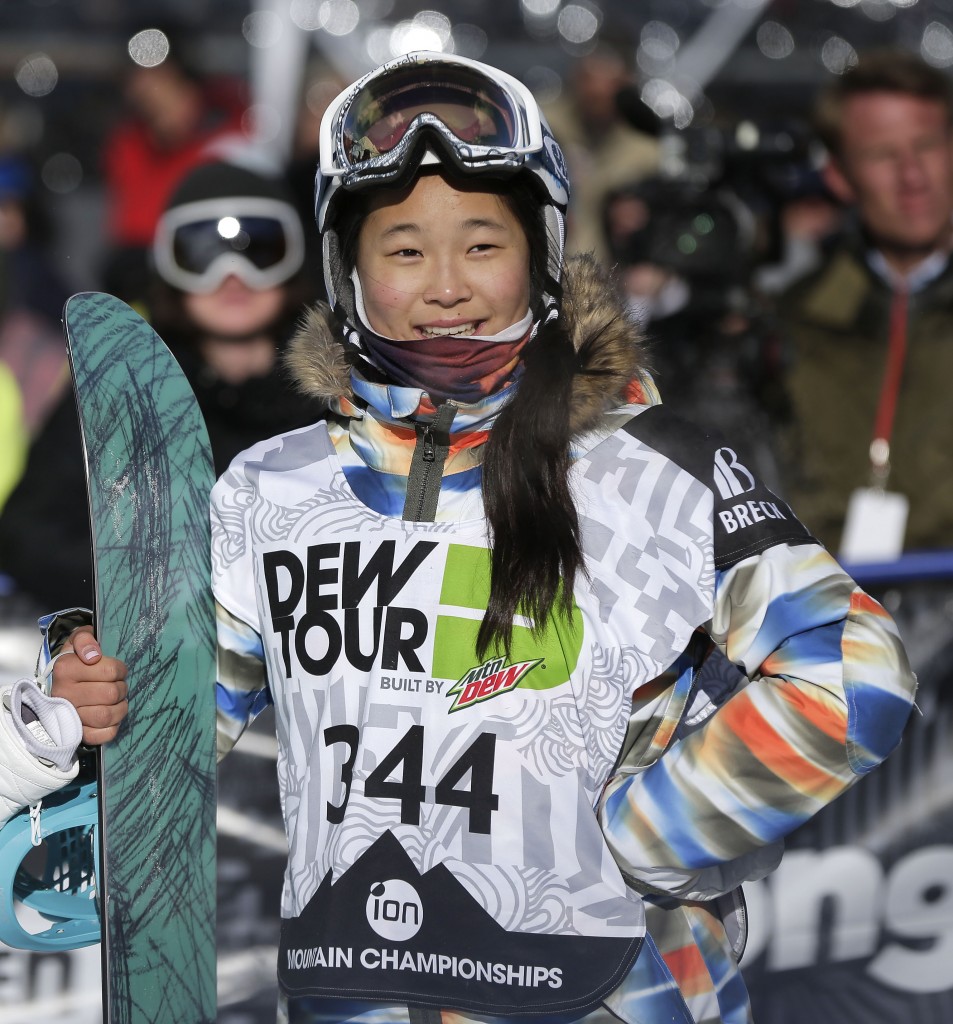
[896, 166]
[434, 260]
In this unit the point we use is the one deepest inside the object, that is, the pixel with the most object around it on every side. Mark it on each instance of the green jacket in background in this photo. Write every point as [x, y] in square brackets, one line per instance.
[837, 323]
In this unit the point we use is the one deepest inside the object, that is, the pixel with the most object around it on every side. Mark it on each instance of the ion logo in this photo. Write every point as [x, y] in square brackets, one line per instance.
[394, 910]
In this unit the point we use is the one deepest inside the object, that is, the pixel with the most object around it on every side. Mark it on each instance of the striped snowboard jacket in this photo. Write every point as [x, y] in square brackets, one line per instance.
[561, 831]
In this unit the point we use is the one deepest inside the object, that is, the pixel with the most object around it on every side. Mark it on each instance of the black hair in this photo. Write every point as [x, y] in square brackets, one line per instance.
[534, 526]
[890, 70]
[532, 519]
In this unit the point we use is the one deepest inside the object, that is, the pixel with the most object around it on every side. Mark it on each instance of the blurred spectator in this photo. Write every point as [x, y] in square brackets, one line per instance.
[13, 441]
[31, 281]
[871, 330]
[321, 85]
[684, 255]
[175, 117]
[227, 292]
[228, 324]
[32, 294]
[602, 148]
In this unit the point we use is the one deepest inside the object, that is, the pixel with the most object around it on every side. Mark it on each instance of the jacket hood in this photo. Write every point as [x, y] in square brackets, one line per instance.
[610, 370]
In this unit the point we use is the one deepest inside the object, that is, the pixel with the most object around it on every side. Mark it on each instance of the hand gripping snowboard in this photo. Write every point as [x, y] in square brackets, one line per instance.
[149, 474]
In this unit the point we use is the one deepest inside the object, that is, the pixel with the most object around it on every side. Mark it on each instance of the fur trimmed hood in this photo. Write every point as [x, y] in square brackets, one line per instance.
[604, 334]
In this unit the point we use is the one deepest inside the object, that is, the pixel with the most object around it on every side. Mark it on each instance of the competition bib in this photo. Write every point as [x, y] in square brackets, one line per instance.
[454, 858]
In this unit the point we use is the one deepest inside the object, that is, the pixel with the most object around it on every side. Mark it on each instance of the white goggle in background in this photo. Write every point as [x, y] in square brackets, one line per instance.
[198, 245]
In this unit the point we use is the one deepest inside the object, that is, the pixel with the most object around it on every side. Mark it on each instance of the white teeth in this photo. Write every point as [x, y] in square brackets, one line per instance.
[443, 332]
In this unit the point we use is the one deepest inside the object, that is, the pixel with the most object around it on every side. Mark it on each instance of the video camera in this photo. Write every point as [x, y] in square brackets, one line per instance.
[710, 214]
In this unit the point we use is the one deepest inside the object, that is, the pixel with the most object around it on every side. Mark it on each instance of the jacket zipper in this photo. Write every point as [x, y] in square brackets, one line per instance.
[426, 467]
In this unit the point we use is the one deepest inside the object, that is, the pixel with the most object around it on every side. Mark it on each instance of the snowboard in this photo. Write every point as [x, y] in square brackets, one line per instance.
[149, 474]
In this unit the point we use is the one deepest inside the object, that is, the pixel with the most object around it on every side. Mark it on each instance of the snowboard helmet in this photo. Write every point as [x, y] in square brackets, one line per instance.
[428, 108]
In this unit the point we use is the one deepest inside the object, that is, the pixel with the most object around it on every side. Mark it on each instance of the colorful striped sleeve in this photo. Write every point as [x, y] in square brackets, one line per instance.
[827, 694]
[241, 690]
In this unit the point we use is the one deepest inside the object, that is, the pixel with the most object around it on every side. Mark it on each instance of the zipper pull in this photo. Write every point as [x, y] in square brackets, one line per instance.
[429, 448]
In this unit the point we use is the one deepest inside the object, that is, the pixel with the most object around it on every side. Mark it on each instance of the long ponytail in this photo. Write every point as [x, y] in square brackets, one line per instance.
[534, 527]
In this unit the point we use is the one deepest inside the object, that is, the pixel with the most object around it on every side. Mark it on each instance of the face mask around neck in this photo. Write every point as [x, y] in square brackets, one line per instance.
[460, 369]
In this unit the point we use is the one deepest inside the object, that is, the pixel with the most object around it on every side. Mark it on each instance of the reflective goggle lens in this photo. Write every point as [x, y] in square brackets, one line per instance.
[262, 241]
[197, 245]
[475, 109]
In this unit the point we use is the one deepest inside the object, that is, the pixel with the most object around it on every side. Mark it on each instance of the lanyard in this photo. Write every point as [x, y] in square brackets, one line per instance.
[889, 390]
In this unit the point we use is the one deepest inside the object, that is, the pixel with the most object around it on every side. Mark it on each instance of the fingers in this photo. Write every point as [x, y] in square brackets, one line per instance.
[93, 692]
[101, 721]
[94, 683]
[82, 660]
[70, 670]
[84, 644]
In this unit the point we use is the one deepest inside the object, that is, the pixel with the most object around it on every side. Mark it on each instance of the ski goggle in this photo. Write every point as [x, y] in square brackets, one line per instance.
[483, 121]
[198, 245]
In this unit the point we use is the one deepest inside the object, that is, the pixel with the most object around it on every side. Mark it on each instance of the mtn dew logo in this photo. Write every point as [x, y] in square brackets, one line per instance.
[539, 659]
[489, 680]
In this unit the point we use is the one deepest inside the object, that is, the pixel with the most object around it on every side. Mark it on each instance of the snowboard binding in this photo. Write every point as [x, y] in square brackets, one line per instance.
[55, 881]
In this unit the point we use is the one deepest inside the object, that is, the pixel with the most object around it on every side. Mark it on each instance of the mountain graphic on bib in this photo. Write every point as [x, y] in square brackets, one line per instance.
[390, 932]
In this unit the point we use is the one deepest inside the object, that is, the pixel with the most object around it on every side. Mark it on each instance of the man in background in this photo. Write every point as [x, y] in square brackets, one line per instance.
[603, 148]
[871, 330]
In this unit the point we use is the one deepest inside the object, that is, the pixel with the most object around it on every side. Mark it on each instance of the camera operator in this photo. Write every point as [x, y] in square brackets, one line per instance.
[685, 248]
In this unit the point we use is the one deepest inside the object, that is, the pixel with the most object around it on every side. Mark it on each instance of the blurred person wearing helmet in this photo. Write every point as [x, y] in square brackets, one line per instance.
[33, 371]
[870, 329]
[477, 596]
[228, 289]
[30, 279]
[226, 293]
